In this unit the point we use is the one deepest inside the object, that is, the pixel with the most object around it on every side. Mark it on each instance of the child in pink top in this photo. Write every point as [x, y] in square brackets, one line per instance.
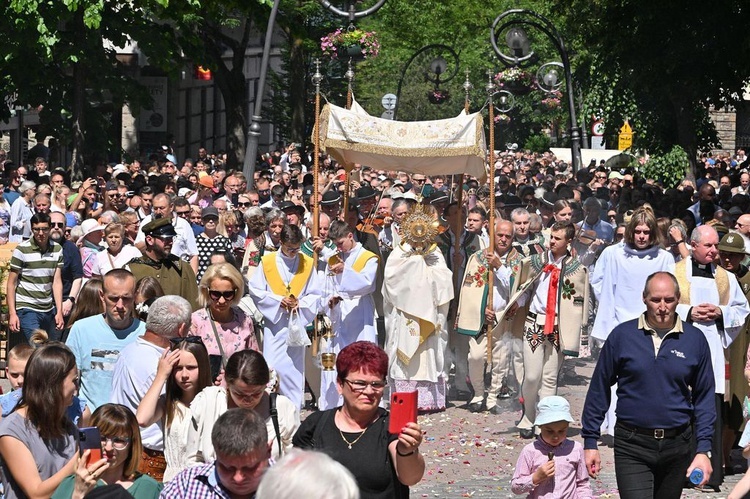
[552, 466]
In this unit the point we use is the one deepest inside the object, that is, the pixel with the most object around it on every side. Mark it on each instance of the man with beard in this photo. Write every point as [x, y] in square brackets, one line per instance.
[72, 270]
[175, 276]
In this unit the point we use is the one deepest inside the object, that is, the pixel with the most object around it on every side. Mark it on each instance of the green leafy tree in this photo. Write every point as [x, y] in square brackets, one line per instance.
[661, 65]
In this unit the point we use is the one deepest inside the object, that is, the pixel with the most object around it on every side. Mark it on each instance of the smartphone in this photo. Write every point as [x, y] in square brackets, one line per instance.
[403, 410]
[214, 361]
[90, 438]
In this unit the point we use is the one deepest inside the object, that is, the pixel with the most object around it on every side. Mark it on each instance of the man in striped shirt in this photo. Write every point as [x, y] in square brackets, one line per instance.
[35, 281]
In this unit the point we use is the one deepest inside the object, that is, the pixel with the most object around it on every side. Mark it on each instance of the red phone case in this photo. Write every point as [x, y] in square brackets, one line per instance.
[403, 410]
[91, 439]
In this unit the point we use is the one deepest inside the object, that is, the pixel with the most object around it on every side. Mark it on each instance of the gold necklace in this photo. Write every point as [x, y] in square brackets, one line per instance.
[355, 440]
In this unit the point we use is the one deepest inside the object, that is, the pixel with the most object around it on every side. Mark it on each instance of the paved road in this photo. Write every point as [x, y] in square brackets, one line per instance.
[474, 455]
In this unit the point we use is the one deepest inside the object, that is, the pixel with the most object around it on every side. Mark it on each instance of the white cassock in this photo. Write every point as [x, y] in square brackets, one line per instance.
[289, 362]
[417, 291]
[618, 281]
[353, 318]
[704, 290]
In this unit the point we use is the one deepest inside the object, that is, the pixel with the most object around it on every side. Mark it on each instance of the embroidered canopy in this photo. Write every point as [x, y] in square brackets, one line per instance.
[440, 147]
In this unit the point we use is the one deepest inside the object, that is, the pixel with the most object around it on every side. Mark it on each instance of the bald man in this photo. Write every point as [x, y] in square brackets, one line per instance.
[501, 260]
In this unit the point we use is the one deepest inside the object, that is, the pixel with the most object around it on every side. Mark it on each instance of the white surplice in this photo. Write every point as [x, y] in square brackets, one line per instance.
[618, 280]
[704, 290]
[289, 362]
[352, 319]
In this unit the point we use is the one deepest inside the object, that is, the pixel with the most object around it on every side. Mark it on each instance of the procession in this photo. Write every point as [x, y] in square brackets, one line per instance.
[274, 251]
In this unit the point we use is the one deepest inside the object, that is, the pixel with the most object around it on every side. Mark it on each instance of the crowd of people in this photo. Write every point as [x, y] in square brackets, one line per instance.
[191, 314]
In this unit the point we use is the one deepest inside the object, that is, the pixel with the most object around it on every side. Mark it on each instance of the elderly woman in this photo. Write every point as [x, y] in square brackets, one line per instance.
[221, 324]
[21, 211]
[356, 434]
[117, 254]
[90, 245]
[210, 240]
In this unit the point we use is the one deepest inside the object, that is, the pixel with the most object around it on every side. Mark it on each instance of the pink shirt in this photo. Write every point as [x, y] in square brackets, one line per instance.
[571, 478]
[236, 335]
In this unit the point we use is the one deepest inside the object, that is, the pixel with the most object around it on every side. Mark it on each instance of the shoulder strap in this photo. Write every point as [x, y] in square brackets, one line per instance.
[275, 419]
[218, 340]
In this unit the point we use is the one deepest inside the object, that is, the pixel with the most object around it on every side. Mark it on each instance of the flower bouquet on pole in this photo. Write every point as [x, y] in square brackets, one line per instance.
[350, 43]
[514, 80]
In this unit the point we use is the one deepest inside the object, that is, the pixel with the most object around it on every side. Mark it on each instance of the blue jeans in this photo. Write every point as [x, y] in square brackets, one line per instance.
[31, 320]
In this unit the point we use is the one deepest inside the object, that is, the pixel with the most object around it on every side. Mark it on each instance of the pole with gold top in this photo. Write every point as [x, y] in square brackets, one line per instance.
[491, 181]
[316, 79]
[348, 168]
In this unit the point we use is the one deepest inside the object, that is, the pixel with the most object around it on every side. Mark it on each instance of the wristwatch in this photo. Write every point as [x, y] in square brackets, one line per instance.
[707, 453]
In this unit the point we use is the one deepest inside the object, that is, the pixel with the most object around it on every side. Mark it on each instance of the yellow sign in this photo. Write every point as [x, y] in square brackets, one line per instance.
[625, 138]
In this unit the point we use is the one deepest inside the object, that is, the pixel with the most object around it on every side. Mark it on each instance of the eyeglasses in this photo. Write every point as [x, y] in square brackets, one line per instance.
[57, 225]
[614, 191]
[245, 205]
[601, 176]
[183, 213]
[420, 180]
[175, 342]
[40, 229]
[227, 295]
[360, 386]
[118, 443]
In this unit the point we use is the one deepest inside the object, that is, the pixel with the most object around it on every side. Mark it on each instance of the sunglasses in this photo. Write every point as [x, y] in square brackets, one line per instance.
[57, 225]
[175, 342]
[227, 295]
[245, 205]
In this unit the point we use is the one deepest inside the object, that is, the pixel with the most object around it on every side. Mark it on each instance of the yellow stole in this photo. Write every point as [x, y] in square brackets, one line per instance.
[721, 277]
[276, 283]
[359, 262]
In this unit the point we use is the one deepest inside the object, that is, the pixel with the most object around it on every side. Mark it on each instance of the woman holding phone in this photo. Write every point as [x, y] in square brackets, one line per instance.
[185, 371]
[38, 440]
[356, 434]
[220, 323]
[121, 455]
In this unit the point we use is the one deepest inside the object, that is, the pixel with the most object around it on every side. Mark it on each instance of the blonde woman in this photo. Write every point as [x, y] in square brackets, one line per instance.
[220, 323]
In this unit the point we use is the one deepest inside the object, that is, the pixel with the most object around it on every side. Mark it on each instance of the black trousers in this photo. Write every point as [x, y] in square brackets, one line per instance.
[649, 468]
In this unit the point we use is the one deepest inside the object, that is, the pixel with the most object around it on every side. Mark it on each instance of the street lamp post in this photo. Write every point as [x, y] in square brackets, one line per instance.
[438, 66]
[514, 21]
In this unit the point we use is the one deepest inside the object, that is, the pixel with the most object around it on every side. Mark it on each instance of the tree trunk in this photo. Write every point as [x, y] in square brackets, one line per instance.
[77, 165]
[686, 132]
[231, 83]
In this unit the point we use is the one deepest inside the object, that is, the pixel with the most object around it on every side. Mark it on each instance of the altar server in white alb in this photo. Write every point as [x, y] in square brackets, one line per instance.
[287, 291]
[351, 275]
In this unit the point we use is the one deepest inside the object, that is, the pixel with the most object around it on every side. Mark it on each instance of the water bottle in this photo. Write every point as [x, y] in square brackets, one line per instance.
[696, 476]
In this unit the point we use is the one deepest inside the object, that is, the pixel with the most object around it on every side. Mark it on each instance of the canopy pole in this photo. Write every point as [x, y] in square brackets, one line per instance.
[316, 79]
[491, 182]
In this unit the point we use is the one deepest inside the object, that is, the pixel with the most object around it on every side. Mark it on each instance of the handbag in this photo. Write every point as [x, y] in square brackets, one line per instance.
[297, 336]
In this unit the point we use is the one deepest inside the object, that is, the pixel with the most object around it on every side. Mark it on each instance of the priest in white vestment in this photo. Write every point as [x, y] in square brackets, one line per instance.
[712, 300]
[417, 291]
[286, 284]
[352, 276]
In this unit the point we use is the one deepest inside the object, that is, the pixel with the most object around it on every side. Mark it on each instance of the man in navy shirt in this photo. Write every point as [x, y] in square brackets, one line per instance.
[662, 367]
